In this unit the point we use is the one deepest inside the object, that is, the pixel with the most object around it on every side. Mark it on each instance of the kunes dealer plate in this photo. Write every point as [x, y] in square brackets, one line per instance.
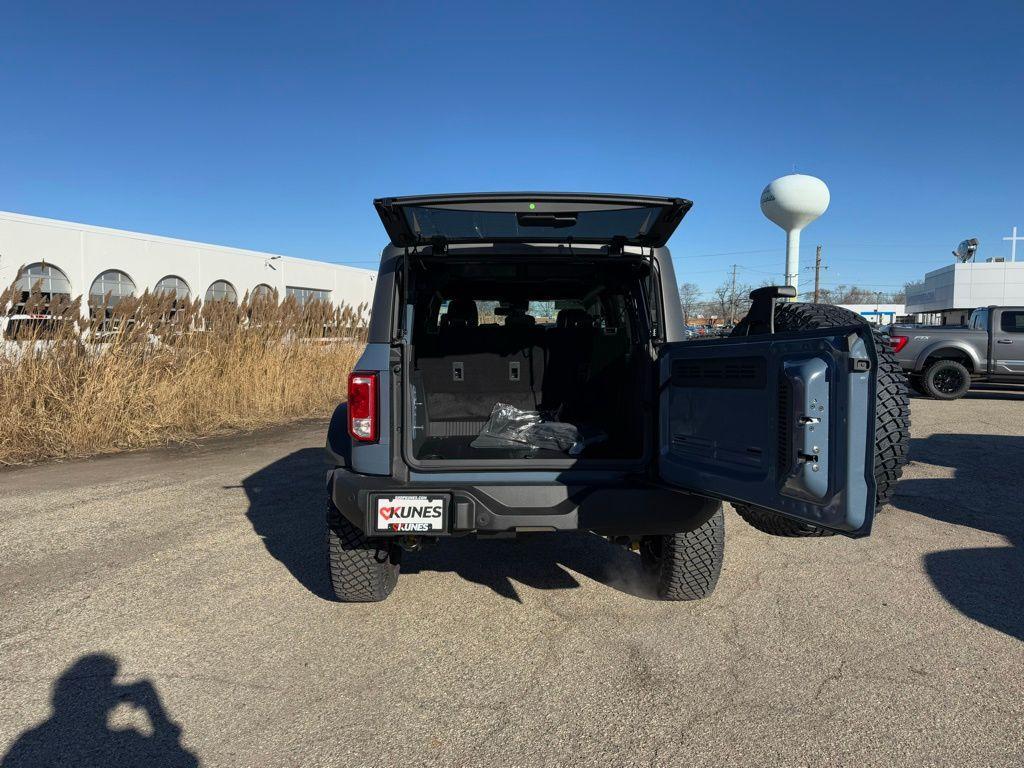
[410, 514]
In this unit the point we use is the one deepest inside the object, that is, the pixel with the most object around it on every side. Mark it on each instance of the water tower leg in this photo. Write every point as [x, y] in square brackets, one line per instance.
[793, 260]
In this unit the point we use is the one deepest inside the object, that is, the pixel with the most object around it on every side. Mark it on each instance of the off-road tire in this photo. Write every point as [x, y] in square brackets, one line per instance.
[892, 416]
[932, 380]
[362, 569]
[686, 566]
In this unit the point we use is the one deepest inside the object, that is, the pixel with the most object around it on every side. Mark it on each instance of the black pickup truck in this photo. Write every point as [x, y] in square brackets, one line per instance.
[942, 361]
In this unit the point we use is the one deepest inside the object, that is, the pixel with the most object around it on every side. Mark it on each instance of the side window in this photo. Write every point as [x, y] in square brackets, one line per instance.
[653, 299]
[435, 311]
[979, 320]
[617, 318]
[1012, 322]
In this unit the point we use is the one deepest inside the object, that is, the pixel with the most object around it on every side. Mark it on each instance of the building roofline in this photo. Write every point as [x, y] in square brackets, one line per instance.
[73, 225]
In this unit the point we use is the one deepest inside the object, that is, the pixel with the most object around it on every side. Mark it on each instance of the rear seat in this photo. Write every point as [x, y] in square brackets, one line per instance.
[569, 346]
[475, 367]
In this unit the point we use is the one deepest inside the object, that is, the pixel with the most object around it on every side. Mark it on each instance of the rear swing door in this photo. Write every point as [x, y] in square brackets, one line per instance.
[784, 422]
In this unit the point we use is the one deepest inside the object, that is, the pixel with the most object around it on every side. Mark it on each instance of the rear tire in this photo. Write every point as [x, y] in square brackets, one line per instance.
[686, 566]
[892, 413]
[946, 380]
[775, 524]
[362, 569]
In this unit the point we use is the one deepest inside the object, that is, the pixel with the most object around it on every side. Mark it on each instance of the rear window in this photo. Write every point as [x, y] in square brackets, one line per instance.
[609, 312]
[1012, 322]
[464, 224]
[493, 312]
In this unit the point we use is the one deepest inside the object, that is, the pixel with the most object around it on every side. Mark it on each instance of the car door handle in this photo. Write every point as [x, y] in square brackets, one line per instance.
[1004, 341]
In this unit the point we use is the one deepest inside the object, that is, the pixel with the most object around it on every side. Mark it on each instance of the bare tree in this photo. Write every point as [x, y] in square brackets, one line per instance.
[732, 300]
[689, 295]
[852, 294]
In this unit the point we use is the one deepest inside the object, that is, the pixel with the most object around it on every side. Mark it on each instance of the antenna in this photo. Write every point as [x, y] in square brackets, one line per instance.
[792, 202]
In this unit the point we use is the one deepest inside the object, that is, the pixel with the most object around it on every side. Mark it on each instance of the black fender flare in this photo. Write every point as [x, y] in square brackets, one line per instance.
[339, 443]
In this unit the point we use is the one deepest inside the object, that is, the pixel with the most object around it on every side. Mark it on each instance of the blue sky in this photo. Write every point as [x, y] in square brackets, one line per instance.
[273, 125]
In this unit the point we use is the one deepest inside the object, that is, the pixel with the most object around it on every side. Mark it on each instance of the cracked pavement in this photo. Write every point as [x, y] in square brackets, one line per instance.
[167, 607]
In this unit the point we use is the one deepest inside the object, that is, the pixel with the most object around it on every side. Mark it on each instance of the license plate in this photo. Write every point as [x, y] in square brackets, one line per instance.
[410, 514]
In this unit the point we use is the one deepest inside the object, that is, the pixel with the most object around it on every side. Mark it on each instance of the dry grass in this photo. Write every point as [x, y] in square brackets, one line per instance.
[148, 372]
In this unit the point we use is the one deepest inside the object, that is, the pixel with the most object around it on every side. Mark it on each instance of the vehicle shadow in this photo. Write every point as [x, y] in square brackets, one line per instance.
[287, 503]
[543, 561]
[286, 509]
[77, 732]
[994, 392]
[982, 583]
[982, 392]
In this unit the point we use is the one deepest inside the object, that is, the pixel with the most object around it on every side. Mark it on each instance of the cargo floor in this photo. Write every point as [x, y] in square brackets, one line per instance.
[459, 448]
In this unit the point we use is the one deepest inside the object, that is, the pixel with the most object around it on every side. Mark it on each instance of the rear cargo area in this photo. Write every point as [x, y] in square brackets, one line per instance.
[562, 341]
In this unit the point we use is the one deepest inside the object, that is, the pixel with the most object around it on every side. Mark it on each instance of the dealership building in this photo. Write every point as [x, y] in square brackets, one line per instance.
[949, 294]
[83, 260]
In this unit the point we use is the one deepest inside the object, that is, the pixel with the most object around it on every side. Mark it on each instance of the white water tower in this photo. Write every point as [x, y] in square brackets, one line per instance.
[793, 202]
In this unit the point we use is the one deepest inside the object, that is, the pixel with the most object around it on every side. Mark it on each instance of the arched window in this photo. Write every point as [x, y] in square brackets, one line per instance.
[113, 282]
[50, 279]
[221, 290]
[174, 285]
[51, 284]
[262, 291]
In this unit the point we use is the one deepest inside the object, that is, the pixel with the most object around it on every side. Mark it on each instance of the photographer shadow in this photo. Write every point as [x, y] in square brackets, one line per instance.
[78, 731]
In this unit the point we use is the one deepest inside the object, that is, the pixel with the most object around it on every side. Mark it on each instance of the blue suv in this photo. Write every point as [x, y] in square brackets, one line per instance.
[527, 371]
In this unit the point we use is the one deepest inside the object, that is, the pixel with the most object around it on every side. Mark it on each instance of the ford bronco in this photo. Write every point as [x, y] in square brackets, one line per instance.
[527, 371]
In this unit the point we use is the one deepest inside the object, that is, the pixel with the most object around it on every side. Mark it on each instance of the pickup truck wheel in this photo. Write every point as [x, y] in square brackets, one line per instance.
[946, 380]
[686, 565]
[362, 569]
[892, 413]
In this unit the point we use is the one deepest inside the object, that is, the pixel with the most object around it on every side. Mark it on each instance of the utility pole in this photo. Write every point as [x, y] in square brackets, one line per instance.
[732, 297]
[817, 273]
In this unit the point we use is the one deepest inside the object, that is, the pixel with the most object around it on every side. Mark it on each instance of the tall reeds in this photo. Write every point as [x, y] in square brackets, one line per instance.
[152, 370]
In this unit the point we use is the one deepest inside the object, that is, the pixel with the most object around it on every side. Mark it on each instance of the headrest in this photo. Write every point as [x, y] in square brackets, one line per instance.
[574, 318]
[519, 320]
[461, 314]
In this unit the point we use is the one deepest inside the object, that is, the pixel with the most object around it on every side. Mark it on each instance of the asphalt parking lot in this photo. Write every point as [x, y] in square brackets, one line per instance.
[168, 608]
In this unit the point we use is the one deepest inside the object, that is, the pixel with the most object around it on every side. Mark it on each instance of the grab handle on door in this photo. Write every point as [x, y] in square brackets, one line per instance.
[1004, 341]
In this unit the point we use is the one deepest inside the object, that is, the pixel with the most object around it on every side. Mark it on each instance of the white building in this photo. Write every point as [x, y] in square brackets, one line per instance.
[879, 314]
[950, 293]
[79, 259]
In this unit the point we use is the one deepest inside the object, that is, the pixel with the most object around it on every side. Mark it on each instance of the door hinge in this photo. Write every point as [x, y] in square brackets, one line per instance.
[860, 365]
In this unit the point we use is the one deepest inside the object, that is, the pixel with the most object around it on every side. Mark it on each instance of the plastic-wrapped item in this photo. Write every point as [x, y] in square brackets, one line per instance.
[553, 435]
[507, 427]
[514, 428]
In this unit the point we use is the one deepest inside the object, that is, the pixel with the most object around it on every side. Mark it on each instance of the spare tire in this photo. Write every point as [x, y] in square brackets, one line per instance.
[892, 413]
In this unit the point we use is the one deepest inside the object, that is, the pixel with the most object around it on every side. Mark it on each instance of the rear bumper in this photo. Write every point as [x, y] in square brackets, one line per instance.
[623, 507]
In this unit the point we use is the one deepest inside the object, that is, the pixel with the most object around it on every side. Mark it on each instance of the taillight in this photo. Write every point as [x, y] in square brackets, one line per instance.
[362, 406]
[898, 342]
